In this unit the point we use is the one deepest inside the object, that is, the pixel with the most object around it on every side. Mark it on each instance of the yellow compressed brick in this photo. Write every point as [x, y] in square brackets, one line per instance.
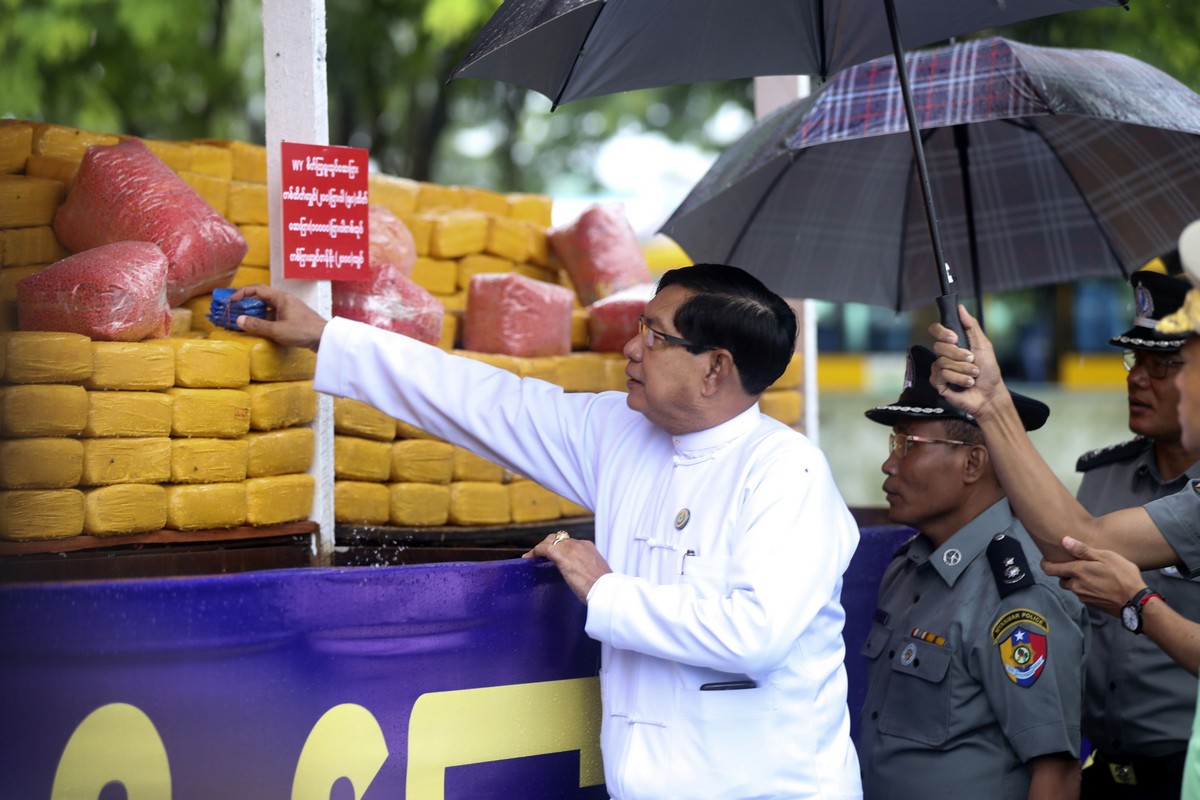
[40, 463]
[9, 278]
[245, 276]
[27, 202]
[529, 502]
[258, 245]
[280, 452]
[47, 357]
[785, 405]
[569, 508]
[249, 161]
[203, 460]
[61, 141]
[204, 506]
[247, 203]
[439, 276]
[280, 498]
[46, 409]
[480, 263]
[470, 467]
[475, 503]
[355, 418]
[119, 460]
[124, 509]
[406, 431]
[361, 503]
[200, 306]
[220, 413]
[214, 161]
[398, 195]
[214, 190]
[539, 246]
[614, 369]
[505, 362]
[536, 273]
[50, 168]
[434, 197]
[133, 366]
[458, 233]
[27, 514]
[181, 321]
[581, 372]
[580, 334]
[21, 247]
[486, 200]
[421, 227]
[16, 145]
[210, 363]
[509, 238]
[449, 337]
[127, 414]
[422, 460]
[454, 303]
[418, 504]
[793, 376]
[535, 208]
[281, 404]
[176, 155]
[544, 368]
[271, 362]
[359, 459]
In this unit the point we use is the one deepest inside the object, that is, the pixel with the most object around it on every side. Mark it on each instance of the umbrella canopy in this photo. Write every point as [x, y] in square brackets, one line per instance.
[571, 49]
[1048, 165]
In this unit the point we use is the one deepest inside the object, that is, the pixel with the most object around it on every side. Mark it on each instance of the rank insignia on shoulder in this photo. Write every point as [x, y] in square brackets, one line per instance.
[1114, 452]
[1021, 637]
[1010, 567]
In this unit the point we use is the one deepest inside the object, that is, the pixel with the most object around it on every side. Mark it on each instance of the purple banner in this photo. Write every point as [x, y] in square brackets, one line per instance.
[438, 681]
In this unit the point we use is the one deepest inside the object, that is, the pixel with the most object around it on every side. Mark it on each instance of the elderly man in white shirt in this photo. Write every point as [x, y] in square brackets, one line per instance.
[714, 581]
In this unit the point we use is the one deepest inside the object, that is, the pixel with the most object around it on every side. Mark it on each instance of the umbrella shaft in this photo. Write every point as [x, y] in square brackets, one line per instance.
[914, 132]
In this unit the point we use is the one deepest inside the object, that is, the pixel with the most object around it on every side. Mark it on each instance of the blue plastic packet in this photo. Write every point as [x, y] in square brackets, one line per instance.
[224, 313]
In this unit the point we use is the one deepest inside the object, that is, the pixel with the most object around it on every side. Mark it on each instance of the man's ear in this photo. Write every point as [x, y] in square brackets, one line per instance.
[720, 370]
[977, 463]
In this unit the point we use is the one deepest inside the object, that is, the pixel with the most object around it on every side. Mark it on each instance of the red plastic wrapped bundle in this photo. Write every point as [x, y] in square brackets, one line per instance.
[601, 253]
[390, 300]
[613, 321]
[390, 240]
[116, 293]
[517, 316]
[123, 192]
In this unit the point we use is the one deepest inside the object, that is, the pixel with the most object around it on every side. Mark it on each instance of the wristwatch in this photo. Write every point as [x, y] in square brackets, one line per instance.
[1131, 612]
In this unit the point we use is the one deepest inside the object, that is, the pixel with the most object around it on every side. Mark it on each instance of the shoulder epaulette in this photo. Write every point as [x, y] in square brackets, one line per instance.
[1010, 568]
[1114, 452]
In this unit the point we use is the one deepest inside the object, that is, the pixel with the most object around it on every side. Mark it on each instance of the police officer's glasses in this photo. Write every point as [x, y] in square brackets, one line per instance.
[898, 443]
[1157, 365]
[654, 339]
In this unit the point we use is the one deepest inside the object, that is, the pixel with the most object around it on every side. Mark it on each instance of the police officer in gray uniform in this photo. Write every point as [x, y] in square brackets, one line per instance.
[975, 657]
[1139, 703]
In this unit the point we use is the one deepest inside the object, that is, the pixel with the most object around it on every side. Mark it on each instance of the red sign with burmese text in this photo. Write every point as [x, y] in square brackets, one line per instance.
[324, 212]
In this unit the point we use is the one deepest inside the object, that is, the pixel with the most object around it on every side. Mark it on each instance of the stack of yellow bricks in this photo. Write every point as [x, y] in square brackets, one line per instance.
[386, 472]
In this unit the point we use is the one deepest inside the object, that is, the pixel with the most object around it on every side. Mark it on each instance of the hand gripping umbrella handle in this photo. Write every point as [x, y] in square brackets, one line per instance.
[948, 310]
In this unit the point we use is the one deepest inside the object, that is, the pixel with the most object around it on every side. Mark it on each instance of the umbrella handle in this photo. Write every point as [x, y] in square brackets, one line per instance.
[948, 311]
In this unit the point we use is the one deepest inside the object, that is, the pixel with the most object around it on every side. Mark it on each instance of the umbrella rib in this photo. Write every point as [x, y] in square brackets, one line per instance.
[737, 242]
[574, 63]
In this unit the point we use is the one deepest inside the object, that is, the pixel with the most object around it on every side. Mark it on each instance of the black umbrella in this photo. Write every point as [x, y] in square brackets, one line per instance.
[1051, 165]
[570, 49]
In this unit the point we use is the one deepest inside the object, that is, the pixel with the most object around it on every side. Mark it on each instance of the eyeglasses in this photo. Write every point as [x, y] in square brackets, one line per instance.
[898, 443]
[651, 338]
[1157, 365]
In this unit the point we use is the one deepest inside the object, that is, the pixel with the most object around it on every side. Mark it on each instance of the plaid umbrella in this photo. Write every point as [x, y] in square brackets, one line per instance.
[1048, 165]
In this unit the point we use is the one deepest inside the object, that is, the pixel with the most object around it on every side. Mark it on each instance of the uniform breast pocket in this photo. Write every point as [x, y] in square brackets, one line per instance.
[706, 573]
[917, 705]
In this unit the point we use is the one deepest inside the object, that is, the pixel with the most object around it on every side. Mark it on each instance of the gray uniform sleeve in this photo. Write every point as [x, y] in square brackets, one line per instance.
[1178, 519]
[1038, 706]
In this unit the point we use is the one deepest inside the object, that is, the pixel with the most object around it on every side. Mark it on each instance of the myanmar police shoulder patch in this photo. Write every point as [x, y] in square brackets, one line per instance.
[1021, 638]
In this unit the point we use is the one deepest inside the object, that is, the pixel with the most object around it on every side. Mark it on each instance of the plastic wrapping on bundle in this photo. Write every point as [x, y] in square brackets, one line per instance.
[513, 315]
[613, 321]
[224, 312]
[124, 192]
[390, 241]
[390, 300]
[115, 292]
[600, 252]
